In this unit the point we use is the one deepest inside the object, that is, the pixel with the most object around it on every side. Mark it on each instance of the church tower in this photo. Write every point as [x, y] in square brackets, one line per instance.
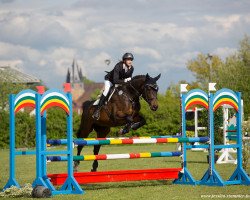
[75, 78]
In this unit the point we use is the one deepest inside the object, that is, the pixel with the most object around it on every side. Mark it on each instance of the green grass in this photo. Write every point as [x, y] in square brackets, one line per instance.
[131, 190]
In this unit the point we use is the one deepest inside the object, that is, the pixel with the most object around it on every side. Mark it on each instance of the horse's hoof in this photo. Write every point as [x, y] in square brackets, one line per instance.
[120, 132]
[75, 169]
[92, 170]
[123, 131]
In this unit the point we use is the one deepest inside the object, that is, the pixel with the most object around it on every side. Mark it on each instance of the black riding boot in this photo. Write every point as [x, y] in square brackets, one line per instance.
[96, 114]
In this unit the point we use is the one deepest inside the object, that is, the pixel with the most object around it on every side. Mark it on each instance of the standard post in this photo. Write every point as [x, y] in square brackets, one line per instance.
[12, 161]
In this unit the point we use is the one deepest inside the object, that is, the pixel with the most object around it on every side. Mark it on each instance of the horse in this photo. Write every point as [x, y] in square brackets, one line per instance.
[121, 109]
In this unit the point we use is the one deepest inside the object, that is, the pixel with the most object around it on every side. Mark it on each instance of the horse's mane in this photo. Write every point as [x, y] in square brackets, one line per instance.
[138, 77]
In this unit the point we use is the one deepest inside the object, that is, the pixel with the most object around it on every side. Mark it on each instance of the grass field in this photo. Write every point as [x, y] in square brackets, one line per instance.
[134, 190]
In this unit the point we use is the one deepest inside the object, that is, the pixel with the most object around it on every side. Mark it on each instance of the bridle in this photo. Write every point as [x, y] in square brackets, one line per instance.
[154, 87]
[147, 99]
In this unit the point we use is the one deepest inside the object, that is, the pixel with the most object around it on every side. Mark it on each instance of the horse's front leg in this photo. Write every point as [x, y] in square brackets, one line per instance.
[127, 127]
[138, 121]
[95, 163]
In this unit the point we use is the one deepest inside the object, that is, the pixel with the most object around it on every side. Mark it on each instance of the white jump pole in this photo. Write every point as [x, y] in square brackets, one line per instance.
[197, 128]
[226, 157]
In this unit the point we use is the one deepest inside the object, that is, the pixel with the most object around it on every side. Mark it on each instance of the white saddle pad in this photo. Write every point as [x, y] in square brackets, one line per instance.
[97, 100]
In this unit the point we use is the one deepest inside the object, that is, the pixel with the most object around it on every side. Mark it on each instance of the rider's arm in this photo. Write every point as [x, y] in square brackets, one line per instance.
[129, 75]
[116, 79]
[131, 72]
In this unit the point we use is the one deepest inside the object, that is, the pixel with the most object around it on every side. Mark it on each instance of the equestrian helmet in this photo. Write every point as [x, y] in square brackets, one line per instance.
[128, 56]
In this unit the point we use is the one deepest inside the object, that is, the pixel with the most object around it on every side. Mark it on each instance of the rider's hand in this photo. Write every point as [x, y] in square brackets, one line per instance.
[127, 80]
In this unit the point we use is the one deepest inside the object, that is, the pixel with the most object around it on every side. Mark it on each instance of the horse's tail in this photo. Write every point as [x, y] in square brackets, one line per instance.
[85, 114]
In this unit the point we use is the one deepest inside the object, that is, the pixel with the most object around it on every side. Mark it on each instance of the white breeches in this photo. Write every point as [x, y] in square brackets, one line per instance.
[107, 86]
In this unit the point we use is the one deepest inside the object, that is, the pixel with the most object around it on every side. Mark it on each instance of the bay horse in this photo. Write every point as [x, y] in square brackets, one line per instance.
[122, 109]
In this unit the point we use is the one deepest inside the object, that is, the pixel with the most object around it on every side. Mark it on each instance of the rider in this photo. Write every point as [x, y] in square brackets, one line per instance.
[121, 73]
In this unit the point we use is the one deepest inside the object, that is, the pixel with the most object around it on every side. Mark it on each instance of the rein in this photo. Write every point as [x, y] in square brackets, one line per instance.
[154, 86]
[138, 93]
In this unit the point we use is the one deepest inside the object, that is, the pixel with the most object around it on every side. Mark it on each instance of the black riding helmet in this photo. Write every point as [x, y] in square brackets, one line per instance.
[128, 56]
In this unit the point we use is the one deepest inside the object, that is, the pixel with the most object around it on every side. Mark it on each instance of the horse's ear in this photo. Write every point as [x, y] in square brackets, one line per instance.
[157, 77]
[147, 77]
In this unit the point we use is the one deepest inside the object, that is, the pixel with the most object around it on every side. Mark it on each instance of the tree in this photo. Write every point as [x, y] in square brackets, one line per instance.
[95, 94]
[7, 88]
[204, 68]
[232, 73]
[235, 73]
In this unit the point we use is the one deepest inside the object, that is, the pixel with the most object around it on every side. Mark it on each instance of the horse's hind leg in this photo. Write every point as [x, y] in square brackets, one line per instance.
[102, 132]
[95, 163]
[83, 132]
[77, 163]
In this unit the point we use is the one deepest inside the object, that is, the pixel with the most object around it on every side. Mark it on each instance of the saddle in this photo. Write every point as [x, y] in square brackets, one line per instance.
[110, 94]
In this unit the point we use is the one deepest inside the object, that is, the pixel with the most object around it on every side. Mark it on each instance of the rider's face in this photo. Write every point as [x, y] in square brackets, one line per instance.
[128, 62]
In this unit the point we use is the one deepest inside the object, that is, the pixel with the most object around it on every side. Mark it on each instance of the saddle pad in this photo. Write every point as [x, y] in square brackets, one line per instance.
[98, 100]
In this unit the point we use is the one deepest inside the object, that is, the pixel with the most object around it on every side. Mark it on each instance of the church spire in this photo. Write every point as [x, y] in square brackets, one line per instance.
[68, 77]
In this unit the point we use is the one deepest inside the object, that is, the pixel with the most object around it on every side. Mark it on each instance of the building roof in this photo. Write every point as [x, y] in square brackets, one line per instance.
[9, 74]
[88, 90]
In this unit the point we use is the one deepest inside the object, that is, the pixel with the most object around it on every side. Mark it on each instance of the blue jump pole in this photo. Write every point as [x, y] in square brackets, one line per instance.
[70, 184]
[185, 176]
[211, 176]
[12, 179]
[39, 164]
[43, 152]
[239, 176]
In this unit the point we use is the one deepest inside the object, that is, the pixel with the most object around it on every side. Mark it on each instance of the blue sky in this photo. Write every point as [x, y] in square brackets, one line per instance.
[42, 37]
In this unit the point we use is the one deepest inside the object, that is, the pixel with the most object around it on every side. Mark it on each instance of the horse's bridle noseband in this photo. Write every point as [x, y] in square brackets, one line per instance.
[154, 87]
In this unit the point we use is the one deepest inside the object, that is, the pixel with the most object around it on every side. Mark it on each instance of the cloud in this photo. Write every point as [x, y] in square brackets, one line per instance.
[226, 23]
[94, 39]
[97, 63]
[12, 63]
[62, 58]
[12, 51]
[224, 51]
[43, 37]
[147, 52]
[32, 29]
[7, 1]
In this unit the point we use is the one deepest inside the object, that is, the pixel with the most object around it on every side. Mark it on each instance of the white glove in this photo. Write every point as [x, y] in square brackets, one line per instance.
[127, 79]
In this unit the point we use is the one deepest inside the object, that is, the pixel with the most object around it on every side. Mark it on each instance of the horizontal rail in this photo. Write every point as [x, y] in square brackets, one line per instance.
[25, 152]
[246, 138]
[55, 152]
[202, 146]
[111, 141]
[116, 156]
[231, 131]
[226, 146]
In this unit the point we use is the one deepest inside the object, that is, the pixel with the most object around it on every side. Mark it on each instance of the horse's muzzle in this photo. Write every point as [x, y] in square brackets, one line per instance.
[153, 104]
[154, 107]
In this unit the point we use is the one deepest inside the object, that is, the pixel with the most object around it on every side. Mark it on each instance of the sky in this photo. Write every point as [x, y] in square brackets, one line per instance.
[42, 37]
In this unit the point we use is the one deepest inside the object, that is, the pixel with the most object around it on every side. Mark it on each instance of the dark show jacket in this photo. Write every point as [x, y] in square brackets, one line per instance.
[118, 74]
